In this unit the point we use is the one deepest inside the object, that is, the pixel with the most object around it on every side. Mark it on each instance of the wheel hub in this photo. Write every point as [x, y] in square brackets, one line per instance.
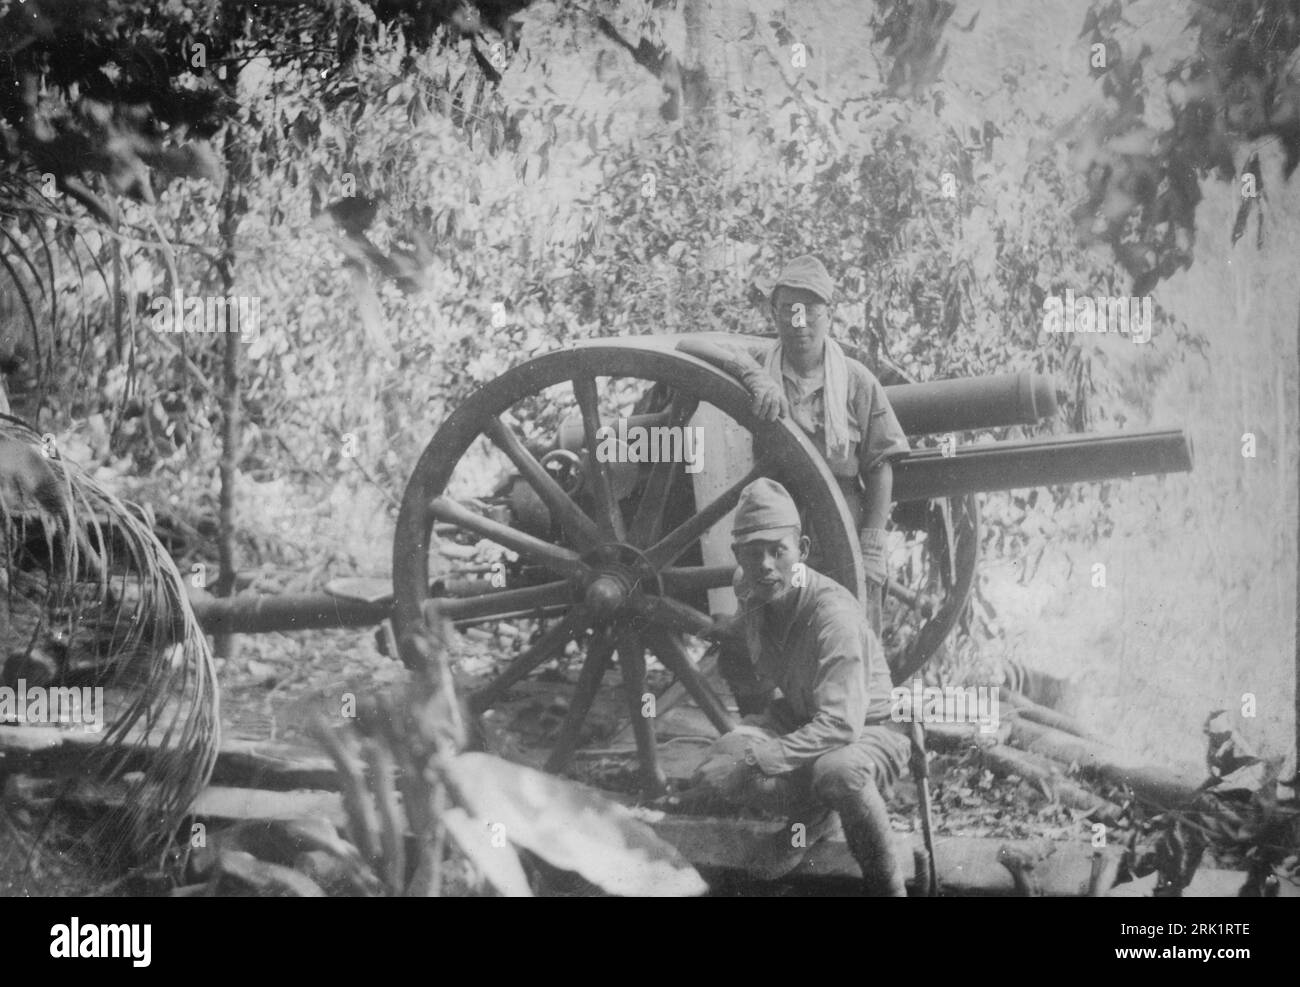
[616, 574]
[606, 594]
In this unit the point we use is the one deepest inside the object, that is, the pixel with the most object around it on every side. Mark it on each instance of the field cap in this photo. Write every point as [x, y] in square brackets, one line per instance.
[765, 513]
[807, 272]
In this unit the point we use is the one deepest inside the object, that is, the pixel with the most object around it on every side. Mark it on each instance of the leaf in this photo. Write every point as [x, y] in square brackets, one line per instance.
[572, 827]
[498, 864]
[26, 482]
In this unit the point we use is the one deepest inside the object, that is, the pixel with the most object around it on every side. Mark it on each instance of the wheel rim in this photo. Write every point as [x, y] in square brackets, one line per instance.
[918, 621]
[939, 587]
[614, 576]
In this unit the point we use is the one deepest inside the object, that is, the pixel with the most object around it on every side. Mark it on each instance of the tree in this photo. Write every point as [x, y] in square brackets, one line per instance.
[105, 105]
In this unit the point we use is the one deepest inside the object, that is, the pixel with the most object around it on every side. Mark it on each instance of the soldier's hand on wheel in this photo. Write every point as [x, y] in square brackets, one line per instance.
[769, 402]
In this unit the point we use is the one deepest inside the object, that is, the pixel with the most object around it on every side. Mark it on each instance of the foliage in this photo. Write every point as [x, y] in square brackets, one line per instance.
[573, 828]
[107, 103]
[1237, 89]
[427, 216]
[85, 581]
[412, 742]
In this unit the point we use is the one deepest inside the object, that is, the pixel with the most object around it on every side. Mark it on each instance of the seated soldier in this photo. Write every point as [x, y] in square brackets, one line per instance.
[836, 400]
[828, 741]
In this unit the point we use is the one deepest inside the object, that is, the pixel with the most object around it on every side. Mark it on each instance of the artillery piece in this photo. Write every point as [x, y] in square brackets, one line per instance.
[614, 561]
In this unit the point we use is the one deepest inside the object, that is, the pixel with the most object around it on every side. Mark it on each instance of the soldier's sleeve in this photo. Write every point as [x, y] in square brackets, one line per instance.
[730, 352]
[883, 438]
[736, 653]
[840, 696]
[755, 346]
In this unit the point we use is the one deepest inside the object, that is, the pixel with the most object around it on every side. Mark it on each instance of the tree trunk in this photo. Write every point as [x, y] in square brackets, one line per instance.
[230, 391]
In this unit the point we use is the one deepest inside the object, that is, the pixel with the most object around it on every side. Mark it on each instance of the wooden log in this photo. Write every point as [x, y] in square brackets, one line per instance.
[241, 763]
[1159, 788]
[966, 865]
[265, 613]
[257, 613]
[216, 805]
[1004, 761]
[1030, 710]
[953, 738]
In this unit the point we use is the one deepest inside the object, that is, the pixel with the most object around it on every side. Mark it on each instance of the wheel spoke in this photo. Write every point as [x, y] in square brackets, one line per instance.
[575, 523]
[554, 557]
[546, 647]
[680, 581]
[631, 662]
[671, 652]
[648, 521]
[689, 531]
[608, 516]
[504, 603]
[675, 615]
[584, 695]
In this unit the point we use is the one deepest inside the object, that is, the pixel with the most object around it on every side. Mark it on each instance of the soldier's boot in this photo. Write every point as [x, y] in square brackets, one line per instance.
[866, 829]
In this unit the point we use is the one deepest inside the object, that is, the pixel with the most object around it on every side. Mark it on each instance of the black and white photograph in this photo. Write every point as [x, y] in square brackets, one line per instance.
[712, 448]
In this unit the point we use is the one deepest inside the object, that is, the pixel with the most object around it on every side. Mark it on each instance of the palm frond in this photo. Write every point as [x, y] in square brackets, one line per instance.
[26, 300]
[107, 579]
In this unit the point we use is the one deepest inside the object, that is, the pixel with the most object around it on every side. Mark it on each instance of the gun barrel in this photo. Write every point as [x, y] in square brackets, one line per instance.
[927, 473]
[970, 403]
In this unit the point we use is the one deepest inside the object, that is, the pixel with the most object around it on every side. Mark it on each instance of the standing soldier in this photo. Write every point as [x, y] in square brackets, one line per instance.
[836, 400]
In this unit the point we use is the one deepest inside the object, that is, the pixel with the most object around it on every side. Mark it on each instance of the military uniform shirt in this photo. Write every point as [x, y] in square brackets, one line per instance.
[828, 664]
[875, 435]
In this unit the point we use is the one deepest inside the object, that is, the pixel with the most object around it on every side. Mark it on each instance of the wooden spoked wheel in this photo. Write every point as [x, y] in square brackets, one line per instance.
[932, 568]
[609, 567]
[935, 567]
